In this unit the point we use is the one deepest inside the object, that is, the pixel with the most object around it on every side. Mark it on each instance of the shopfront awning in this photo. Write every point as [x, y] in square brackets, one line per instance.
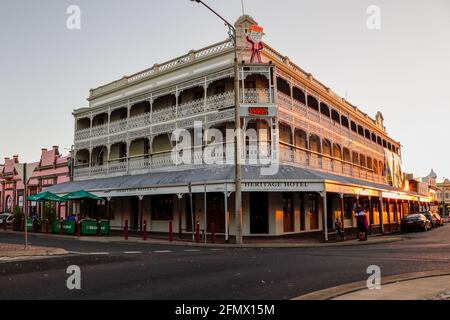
[220, 179]
[80, 195]
[45, 196]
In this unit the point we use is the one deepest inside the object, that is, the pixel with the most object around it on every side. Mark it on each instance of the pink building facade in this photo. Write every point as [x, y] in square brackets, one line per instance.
[52, 168]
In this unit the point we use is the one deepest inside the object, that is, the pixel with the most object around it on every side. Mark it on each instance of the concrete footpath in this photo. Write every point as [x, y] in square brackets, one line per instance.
[430, 285]
[289, 243]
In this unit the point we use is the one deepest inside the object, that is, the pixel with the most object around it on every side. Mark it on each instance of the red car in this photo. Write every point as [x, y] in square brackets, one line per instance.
[439, 220]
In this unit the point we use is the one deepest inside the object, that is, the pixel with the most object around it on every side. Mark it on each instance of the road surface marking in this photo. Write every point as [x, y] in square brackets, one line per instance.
[192, 250]
[133, 252]
[98, 253]
[163, 251]
[217, 249]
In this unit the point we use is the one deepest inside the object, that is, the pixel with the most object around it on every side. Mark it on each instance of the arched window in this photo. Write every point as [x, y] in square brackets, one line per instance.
[325, 110]
[346, 155]
[355, 157]
[362, 161]
[314, 143]
[369, 163]
[326, 147]
[375, 166]
[301, 139]
[344, 121]
[337, 153]
[313, 103]
[299, 95]
[354, 127]
[374, 137]
[379, 141]
[283, 86]
[335, 116]
[360, 130]
[367, 134]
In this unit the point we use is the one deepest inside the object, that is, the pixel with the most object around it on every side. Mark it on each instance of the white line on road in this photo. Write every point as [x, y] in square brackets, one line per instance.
[133, 252]
[90, 253]
[217, 249]
[163, 251]
[192, 250]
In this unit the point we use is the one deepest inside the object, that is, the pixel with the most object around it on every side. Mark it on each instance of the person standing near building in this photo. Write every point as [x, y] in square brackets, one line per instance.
[339, 229]
[362, 224]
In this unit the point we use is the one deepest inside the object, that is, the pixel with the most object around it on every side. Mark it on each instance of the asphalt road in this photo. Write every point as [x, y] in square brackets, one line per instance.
[143, 271]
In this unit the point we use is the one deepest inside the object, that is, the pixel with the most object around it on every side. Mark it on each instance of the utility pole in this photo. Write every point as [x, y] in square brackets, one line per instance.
[238, 132]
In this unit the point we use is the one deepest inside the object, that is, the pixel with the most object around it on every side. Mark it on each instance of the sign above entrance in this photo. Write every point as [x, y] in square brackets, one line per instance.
[282, 186]
[250, 110]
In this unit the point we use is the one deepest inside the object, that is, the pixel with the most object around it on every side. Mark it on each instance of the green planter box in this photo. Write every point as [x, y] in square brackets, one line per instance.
[69, 227]
[89, 227]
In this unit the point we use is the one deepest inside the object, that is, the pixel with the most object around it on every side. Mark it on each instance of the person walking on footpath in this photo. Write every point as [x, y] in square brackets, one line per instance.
[362, 224]
[339, 229]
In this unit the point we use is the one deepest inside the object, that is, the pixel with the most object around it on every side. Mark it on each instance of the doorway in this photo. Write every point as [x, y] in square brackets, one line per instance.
[259, 213]
[134, 213]
[216, 212]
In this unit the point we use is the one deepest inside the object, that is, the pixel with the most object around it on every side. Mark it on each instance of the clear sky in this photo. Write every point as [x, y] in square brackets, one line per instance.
[401, 69]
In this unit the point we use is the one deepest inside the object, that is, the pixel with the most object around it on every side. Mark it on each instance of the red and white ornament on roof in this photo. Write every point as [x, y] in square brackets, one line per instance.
[254, 38]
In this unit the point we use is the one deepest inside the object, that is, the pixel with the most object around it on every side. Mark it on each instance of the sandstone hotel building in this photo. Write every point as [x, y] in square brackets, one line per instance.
[332, 155]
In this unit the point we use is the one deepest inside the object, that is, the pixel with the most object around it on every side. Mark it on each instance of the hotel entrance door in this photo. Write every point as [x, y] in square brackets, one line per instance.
[259, 213]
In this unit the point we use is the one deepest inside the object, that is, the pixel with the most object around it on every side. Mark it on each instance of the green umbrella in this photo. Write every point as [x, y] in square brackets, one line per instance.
[45, 196]
[80, 195]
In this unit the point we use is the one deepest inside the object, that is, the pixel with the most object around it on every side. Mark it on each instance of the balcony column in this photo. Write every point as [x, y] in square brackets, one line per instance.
[381, 213]
[91, 118]
[109, 118]
[108, 150]
[152, 100]
[90, 160]
[127, 157]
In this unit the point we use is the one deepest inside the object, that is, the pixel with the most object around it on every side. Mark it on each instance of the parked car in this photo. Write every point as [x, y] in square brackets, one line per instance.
[415, 222]
[431, 218]
[439, 220]
[9, 217]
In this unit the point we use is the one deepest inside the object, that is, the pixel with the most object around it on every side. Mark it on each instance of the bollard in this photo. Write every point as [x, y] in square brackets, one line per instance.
[125, 230]
[62, 227]
[213, 232]
[4, 223]
[197, 236]
[47, 226]
[99, 228]
[170, 230]
[144, 230]
[78, 228]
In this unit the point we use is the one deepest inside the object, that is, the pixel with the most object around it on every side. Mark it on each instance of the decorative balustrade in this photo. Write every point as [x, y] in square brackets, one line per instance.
[308, 159]
[189, 58]
[288, 155]
[254, 96]
[196, 107]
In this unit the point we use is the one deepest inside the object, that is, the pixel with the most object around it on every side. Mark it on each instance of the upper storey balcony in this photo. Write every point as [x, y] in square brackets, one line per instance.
[207, 101]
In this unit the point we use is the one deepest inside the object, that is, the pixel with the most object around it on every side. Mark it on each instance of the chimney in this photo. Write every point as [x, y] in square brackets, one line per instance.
[56, 149]
[16, 158]
[6, 159]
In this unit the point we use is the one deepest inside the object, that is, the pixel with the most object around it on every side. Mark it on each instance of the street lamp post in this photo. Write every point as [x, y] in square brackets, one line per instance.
[238, 133]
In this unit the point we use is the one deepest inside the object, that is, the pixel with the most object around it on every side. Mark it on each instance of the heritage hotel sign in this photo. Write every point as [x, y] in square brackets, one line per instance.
[282, 186]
